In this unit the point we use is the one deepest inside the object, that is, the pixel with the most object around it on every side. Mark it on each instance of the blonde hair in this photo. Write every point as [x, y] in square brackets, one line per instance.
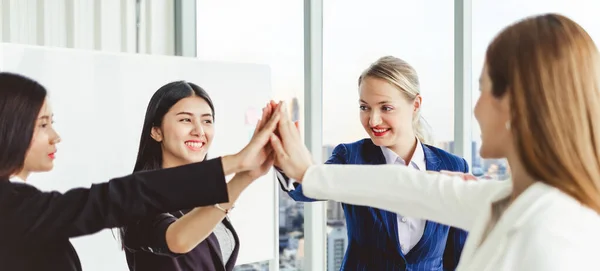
[550, 67]
[403, 76]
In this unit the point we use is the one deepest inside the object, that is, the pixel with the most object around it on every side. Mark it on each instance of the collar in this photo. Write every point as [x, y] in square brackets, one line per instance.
[417, 160]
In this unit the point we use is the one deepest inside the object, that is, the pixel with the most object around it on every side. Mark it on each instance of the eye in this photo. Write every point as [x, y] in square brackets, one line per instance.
[387, 108]
[186, 120]
[45, 124]
[363, 107]
[208, 121]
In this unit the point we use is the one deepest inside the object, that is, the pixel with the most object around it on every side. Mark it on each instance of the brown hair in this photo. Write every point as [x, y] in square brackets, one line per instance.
[403, 76]
[550, 67]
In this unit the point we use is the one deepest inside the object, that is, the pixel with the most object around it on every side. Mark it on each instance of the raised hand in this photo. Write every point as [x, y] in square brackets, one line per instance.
[267, 150]
[291, 154]
[254, 155]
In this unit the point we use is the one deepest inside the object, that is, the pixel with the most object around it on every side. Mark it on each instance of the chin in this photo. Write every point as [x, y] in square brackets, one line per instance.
[380, 142]
[45, 168]
[489, 153]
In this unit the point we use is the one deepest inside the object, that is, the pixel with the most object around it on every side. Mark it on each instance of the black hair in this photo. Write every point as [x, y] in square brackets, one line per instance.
[21, 100]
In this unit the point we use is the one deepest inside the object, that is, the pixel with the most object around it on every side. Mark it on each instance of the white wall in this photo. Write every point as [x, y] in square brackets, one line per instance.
[99, 101]
[106, 25]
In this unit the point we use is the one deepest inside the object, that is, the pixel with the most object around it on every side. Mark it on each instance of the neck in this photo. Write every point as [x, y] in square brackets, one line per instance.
[520, 177]
[23, 175]
[169, 164]
[406, 149]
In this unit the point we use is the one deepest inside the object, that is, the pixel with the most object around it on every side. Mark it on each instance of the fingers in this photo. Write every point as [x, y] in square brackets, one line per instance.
[263, 135]
[258, 126]
[286, 127]
[263, 118]
[269, 162]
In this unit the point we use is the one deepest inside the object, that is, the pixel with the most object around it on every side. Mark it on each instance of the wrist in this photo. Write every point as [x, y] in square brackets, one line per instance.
[301, 174]
[226, 208]
[231, 164]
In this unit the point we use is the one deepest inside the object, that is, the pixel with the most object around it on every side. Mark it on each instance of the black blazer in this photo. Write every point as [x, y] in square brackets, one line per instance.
[35, 226]
[147, 250]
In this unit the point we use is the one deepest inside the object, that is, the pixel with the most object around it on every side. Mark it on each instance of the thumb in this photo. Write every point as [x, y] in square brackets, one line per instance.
[278, 148]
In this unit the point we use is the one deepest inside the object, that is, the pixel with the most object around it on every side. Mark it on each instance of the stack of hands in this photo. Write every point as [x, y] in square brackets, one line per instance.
[277, 142]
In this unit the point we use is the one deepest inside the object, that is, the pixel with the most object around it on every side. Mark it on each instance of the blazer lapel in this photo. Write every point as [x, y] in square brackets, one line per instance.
[432, 163]
[373, 155]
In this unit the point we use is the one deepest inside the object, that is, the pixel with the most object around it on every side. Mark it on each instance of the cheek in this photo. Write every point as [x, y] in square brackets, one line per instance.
[399, 119]
[209, 132]
[477, 109]
[364, 118]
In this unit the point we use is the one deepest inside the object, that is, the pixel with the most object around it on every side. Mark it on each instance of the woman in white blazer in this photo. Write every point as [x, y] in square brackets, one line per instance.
[540, 90]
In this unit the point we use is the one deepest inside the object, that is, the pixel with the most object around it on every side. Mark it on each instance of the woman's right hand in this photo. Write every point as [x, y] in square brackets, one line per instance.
[292, 155]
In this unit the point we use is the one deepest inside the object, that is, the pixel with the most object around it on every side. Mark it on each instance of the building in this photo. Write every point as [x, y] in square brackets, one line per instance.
[337, 242]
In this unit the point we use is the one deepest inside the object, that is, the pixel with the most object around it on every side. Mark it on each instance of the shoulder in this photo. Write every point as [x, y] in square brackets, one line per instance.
[560, 235]
[453, 161]
[355, 146]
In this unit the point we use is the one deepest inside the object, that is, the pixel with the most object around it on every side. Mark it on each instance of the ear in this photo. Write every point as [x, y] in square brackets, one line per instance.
[505, 105]
[156, 134]
[417, 103]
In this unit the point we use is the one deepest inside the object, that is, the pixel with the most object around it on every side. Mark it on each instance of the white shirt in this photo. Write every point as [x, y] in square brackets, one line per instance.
[410, 229]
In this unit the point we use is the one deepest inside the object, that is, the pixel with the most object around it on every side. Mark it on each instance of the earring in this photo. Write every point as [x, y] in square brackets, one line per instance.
[507, 125]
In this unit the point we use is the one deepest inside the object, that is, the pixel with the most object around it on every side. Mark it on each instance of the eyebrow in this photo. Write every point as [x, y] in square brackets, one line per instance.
[190, 114]
[45, 117]
[382, 102]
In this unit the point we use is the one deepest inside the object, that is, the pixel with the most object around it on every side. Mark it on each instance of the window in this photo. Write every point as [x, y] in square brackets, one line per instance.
[266, 32]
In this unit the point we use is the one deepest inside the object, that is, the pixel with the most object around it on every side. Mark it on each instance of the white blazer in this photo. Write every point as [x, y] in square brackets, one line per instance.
[543, 229]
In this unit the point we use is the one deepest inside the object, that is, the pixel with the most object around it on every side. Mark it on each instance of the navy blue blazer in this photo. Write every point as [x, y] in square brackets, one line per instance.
[373, 233]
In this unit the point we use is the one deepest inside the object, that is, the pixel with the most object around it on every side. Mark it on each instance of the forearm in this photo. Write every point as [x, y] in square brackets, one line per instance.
[231, 164]
[191, 229]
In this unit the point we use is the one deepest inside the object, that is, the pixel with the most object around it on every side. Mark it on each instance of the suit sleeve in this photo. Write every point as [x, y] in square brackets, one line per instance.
[29, 213]
[337, 157]
[149, 235]
[456, 239]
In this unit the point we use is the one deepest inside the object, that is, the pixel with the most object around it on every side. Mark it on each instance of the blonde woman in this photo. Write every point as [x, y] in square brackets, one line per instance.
[390, 104]
[540, 90]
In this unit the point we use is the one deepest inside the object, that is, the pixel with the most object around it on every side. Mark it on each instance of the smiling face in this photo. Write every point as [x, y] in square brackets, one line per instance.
[186, 132]
[386, 113]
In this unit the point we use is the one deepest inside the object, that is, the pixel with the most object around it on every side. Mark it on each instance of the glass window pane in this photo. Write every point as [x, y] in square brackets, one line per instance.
[264, 32]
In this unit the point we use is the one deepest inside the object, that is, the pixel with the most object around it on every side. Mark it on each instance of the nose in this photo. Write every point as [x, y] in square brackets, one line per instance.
[374, 118]
[55, 138]
[198, 130]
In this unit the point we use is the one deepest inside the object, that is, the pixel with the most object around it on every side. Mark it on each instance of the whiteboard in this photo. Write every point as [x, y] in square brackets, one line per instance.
[99, 101]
